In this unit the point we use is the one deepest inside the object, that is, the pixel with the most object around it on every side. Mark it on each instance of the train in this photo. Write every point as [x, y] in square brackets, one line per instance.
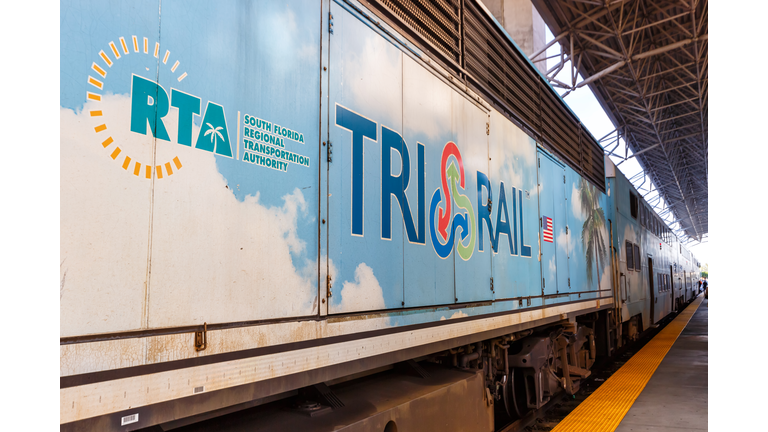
[262, 201]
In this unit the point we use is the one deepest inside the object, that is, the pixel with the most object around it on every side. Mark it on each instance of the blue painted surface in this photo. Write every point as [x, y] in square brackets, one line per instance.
[430, 195]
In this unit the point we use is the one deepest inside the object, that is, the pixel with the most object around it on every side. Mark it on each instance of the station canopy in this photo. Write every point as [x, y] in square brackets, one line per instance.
[646, 62]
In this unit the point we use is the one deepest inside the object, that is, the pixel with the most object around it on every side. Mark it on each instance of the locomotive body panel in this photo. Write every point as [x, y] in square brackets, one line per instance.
[320, 200]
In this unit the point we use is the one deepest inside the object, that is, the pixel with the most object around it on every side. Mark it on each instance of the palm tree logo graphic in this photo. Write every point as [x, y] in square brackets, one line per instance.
[214, 133]
[592, 230]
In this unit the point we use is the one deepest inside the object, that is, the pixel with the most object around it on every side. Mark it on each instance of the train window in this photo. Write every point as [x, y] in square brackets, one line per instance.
[633, 204]
[638, 267]
[630, 257]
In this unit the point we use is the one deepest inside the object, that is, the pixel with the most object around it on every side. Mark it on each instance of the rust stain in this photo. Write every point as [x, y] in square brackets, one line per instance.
[93, 357]
[334, 320]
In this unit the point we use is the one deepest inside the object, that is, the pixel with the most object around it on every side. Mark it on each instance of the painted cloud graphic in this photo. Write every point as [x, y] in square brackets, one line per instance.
[212, 258]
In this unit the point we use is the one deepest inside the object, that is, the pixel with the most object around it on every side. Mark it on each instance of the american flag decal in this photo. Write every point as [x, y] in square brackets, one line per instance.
[548, 230]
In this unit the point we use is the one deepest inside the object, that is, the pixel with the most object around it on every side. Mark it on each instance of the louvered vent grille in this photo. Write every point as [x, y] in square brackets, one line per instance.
[494, 63]
[435, 20]
[560, 130]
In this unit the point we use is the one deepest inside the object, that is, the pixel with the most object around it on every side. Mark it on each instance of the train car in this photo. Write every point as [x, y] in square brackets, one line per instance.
[263, 198]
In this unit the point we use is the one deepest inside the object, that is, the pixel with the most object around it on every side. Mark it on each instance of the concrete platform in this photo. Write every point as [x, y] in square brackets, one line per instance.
[675, 398]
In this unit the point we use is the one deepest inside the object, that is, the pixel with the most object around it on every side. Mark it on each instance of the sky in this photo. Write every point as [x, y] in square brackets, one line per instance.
[583, 102]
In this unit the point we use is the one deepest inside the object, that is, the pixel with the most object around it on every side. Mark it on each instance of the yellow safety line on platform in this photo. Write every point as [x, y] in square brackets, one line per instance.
[604, 409]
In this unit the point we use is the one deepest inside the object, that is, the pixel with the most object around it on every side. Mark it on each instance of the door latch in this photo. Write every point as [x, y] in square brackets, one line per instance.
[201, 338]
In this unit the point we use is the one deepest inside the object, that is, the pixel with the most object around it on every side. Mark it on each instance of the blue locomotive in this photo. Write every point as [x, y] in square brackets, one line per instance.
[260, 199]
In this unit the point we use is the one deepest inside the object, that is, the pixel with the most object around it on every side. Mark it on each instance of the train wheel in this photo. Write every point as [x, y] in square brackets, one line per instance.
[515, 395]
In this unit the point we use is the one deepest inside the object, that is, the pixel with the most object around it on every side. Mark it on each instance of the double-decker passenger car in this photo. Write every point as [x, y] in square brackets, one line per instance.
[656, 274]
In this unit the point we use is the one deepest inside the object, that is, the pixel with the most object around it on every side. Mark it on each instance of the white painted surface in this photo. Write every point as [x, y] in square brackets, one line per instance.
[80, 402]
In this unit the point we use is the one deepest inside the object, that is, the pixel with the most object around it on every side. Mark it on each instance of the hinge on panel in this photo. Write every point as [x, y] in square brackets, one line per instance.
[328, 286]
[543, 283]
[539, 162]
[569, 282]
[566, 229]
[563, 178]
[491, 283]
[330, 152]
[330, 23]
[487, 128]
[490, 204]
[201, 338]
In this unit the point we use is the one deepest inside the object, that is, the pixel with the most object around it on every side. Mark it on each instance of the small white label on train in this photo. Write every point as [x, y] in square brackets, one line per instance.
[133, 418]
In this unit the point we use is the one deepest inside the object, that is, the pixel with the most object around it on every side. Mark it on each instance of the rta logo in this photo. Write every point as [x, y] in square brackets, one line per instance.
[150, 103]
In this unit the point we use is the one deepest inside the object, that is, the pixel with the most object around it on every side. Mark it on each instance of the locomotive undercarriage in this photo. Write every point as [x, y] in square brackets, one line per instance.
[478, 386]
[524, 370]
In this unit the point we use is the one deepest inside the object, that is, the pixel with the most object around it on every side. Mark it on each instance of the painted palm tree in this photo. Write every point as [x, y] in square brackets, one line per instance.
[214, 133]
[592, 230]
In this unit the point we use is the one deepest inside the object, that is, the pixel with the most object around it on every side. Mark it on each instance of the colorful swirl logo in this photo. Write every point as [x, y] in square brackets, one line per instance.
[452, 179]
